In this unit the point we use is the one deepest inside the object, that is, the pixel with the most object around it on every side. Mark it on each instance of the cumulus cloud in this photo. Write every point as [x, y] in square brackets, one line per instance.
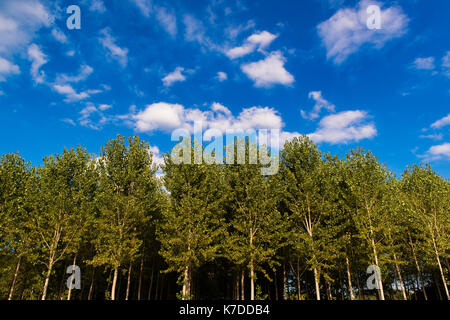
[59, 35]
[446, 63]
[38, 59]
[346, 31]
[7, 68]
[445, 121]
[256, 41]
[71, 95]
[97, 6]
[92, 117]
[85, 71]
[269, 71]
[221, 76]
[320, 104]
[437, 152]
[174, 76]
[344, 127]
[167, 117]
[19, 21]
[115, 52]
[167, 20]
[424, 63]
[145, 6]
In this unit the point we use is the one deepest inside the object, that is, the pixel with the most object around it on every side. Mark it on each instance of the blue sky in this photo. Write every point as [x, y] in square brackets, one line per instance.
[305, 67]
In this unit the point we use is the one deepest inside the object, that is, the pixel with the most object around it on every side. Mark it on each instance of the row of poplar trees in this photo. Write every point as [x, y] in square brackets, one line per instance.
[215, 231]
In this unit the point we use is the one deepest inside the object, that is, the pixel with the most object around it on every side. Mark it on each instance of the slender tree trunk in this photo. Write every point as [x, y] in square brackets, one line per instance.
[187, 283]
[128, 282]
[381, 290]
[140, 278]
[418, 267]
[252, 268]
[399, 274]
[444, 282]
[47, 279]
[316, 281]
[69, 293]
[11, 290]
[276, 285]
[284, 282]
[329, 296]
[91, 286]
[252, 280]
[360, 291]
[114, 283]
[349, 278]
[299, 292]
[243, 283]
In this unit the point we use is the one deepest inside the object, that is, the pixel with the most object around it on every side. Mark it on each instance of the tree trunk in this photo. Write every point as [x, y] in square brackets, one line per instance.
[11, 291]
[284, 282]
[113, 288]
[316, 281]
[440, 266]
[91, 286]
[128, 282]
[47, 279]
[187, 283]
[252, 268]
[252, 280]
[242, 283]
[418, 267]
[276, 285]
[399, 274]
[380, 291]
[299, 292]
[140, 278]
[349, 278]
[70, 287]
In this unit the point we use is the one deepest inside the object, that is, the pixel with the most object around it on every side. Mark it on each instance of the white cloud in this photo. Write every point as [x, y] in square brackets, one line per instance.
[321, 103]
[424, 63]
[167, 117]
[432, 136]
[19, 21]
[93, 117]
[38, 59]
[269, 71]
[217, 107]
[104, 107]
[145, 6]
[97, 6]
[72, 95]
[167, 20]
[344, 127]
[441, 151]
[221, 76]
[256, 41]
[85, 71]
[7, 68]
[441, 122]
[174, 76]
[446, 63]
[346, 31]
[59, 35]
[109, 42]
[160, 116]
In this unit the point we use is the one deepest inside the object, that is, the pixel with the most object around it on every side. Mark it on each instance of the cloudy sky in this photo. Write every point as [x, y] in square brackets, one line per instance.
[305, 67]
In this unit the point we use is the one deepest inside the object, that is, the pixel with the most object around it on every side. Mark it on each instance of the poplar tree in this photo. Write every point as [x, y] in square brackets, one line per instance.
[127, 199]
